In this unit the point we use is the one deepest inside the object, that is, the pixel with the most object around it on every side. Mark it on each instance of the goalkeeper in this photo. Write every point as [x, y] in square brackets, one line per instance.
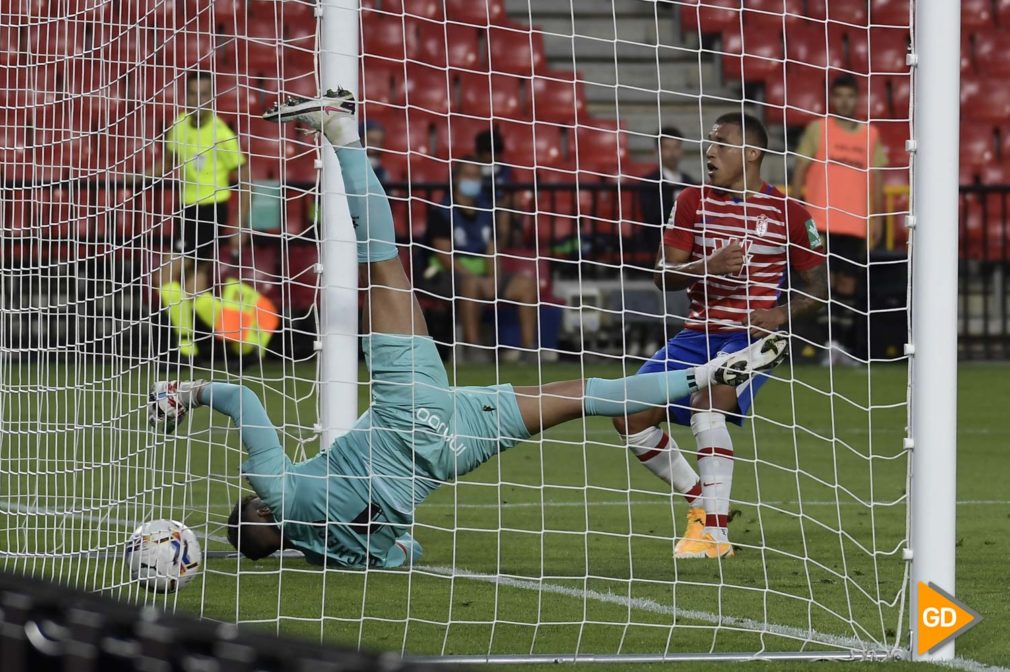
[353, 505]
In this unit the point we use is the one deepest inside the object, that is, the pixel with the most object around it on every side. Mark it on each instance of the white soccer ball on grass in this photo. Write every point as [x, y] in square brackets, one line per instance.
[163, 556]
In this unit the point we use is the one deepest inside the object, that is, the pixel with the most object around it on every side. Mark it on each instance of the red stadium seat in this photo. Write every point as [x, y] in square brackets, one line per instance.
[600, 147]
[381, 81]
[444, 45]
[876, 102]
[57, 40]
[978, 145]
[985, 229]
[57, 210]
[976, 14]
[756, 52]
[816, 44]
[1002, 13]
[381, 36]
[478, 13]
[995, 173]
[558, 97]
[516, 50]
[798, 98]
[992, 52]
[710, 17]
[988, 101]
[427, 88]
[851, 13]
[888, 49]
[534, 145]
[487, 96]
[893, 135]
[890, 12]
[19, 213]
[463, 132]
[234, 95]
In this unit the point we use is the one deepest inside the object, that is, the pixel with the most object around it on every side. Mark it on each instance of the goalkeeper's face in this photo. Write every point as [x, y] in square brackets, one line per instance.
[199, 94]
[252, 529]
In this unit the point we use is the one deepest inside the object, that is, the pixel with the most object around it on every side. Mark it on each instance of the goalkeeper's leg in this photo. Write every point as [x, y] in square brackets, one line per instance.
[390, 307]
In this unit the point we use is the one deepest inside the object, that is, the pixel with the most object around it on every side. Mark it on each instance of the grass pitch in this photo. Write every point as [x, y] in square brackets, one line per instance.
[561, 545]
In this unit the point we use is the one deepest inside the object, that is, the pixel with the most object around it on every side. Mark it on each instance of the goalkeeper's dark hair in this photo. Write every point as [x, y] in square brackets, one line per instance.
[246, 544]
[754, 132]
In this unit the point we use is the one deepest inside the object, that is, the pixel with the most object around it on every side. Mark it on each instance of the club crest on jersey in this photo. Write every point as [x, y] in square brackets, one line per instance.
[761, 227]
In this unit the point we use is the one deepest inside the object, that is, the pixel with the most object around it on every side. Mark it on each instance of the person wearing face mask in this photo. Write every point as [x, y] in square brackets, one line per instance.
[462, 234]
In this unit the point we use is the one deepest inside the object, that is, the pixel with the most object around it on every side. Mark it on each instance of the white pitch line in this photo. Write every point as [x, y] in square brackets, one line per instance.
[657, 502]
[646, 604]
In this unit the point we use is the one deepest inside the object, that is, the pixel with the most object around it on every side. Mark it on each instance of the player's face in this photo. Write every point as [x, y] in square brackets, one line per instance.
[724, 158]
[844, 100]
[263, 533]
[199, 93]
[671, 151]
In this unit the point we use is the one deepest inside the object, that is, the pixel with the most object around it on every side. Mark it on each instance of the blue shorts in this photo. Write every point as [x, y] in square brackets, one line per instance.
[690, 348]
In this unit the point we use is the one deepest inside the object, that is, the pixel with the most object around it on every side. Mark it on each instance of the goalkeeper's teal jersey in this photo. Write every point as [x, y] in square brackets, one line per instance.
[350, 504]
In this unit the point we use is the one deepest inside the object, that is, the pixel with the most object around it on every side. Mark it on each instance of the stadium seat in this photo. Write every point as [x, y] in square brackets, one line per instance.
[876, 102]
[381, 81]
[487, 96]
[756, 51]
[985, 230]
[382, 37]
[231, 16]
[988, 101]
[976, 14]
[978, 144]
[600, 147]
[995, 174]
[517, 50]
[462, 131]
[816, 44]
[710, 17]
[888, 49]
[480, 13]
[427, 88]
[534, 145]
[893, 135]
[1003, 13]
[890, 12]
[57, 211]
[10, 45]
[234, 95]
[558, 97]
[18, 213]
[443, 45]
[991, 53]
[798, 98]
[58, 39]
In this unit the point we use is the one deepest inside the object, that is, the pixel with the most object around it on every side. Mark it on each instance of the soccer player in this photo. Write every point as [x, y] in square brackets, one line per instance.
[834, 173]
[353, 505]
[728, 244]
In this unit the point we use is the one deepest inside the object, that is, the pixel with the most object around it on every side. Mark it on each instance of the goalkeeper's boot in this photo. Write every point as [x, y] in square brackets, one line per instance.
[697, 543]
[332, 114]
[736, 368]
[169, 402]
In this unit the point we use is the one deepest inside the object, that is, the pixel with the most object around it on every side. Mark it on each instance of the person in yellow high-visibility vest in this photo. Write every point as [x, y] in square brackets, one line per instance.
[209, 159]
[241, 317]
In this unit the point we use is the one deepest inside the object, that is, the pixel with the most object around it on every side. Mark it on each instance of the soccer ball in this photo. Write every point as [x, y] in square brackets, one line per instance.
[163, 556]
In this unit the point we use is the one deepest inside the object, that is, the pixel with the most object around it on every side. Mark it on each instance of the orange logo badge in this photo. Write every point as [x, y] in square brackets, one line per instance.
[941, 618]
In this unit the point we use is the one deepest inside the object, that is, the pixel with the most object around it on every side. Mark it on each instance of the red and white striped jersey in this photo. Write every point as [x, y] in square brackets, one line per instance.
[773, 232]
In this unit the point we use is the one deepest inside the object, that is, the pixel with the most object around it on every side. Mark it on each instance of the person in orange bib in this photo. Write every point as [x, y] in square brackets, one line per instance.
[835, 176]
[240, 316]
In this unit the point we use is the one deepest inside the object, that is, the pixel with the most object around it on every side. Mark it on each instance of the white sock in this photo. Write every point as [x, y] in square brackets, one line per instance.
[715, 462]
[659, 453]
[340, 129]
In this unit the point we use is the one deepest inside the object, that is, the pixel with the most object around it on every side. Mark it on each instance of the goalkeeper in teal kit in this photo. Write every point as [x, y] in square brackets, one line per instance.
[353, 505]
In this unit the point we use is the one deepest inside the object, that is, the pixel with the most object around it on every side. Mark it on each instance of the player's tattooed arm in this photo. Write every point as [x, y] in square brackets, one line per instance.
[675, 270]
[814, 295]
[808, 300]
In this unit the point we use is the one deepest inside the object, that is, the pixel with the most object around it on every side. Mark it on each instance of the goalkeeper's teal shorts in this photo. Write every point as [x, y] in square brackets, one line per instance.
[435, 431]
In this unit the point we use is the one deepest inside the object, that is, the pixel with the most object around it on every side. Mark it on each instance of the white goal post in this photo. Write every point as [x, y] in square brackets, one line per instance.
[560, 549]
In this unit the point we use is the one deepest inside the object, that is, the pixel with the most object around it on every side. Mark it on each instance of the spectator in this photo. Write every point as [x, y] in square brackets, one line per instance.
[489, 148]
[665, 183]
[207, 154]
[462, 233]
[834, 175]
[375, 140]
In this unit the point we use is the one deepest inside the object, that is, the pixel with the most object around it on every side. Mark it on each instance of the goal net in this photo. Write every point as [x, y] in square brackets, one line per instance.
[582, 122]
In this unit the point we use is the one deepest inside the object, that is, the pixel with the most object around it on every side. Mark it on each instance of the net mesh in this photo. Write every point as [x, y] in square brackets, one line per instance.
[563, 545]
